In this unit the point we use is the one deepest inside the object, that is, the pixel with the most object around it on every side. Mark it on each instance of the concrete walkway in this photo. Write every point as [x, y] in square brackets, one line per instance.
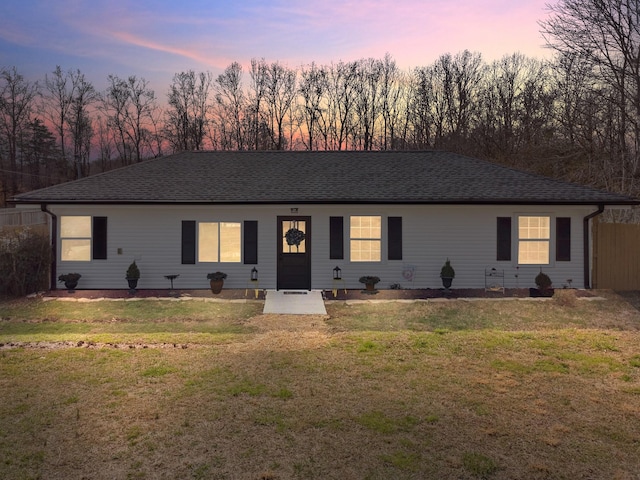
[294, 302]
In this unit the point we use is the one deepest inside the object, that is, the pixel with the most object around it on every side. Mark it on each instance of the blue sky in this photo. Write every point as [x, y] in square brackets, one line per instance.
[156, 39]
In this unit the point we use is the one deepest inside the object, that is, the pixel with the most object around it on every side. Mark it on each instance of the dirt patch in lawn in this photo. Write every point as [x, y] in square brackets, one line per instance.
[285, 332]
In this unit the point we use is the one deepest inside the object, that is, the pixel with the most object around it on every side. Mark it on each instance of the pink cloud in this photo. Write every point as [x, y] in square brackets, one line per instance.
[188, 53]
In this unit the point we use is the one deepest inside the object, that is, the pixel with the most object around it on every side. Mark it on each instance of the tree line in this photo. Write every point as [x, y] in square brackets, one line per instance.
[575, 117]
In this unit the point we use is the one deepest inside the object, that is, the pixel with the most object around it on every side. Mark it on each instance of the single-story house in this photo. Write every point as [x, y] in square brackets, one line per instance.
[295, 216]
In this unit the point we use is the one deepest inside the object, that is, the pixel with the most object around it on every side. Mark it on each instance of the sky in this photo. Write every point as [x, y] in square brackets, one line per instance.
[155, 39]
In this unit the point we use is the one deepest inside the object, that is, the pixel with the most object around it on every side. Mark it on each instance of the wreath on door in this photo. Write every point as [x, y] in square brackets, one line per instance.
[294, 236]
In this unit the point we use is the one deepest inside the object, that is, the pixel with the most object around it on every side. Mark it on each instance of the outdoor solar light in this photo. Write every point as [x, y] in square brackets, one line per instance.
[337, 273]
[254, 274]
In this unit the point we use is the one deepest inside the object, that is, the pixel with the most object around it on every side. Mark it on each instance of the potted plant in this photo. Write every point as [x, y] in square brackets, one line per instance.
[132, 276]
[70, 280]
[369, 282]
[447, 274]
[216, 281]
[543, 282]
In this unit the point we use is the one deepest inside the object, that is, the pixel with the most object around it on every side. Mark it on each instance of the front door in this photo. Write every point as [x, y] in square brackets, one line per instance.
[294, 253]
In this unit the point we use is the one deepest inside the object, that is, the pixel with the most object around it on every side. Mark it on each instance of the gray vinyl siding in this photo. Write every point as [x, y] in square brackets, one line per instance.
[151, 235]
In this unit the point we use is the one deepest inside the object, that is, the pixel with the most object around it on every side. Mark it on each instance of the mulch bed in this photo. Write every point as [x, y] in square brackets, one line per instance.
[349, 294]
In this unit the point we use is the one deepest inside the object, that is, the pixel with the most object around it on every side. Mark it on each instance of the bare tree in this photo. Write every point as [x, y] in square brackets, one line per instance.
[393, 104]
[420, 111]
[337, 125]
[606, 34]
[312, 88]
[80, 128]
[17, 101]
[513, 97]
[187, 115]
[580, 115]
[231, 103]
[57, 103]
[105, 143]
[447, 101]
[280, 91]
[367, 104]
[130, 107]
[67, 101]
[257, 91]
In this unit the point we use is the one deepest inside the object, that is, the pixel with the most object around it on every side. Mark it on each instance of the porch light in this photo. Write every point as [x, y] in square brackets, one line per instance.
[337, 273]
[254, 274]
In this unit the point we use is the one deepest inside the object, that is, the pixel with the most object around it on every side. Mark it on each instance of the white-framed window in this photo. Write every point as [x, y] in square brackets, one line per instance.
[75, 238]
[534, 239]
[365, 238]
[219, 242]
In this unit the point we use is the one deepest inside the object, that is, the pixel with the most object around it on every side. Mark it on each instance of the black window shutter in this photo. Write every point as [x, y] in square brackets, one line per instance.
[99, 236]
[394, 231]
[563, 239]
[504, 239]
[336, 238]
[188, 242]
[250, 242]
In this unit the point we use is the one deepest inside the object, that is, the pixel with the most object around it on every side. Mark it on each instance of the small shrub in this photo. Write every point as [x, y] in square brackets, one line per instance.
[216, 276]
[133, 272]
[447, 270]
[543, 282]
[69, 277]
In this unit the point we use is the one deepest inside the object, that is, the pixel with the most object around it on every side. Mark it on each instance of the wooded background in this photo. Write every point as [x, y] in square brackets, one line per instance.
[576, 117]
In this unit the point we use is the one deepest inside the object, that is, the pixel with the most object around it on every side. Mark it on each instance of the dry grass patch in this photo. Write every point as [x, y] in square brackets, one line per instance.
[424, 391]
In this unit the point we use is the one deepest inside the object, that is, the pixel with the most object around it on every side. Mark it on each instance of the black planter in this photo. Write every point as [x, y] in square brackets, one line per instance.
[133, 284]
[71, 285]
[446, 282]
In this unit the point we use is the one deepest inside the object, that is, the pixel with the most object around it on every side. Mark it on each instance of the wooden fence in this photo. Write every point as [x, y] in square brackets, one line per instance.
[616, 256]
[12, 218]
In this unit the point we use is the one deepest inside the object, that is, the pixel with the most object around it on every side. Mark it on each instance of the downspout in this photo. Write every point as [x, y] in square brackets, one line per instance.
[54, 246]
[585, 239]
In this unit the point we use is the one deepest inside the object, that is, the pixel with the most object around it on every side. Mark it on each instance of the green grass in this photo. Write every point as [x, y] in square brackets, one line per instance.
[139, 311]
[403, 391]
[479, 465]
[123, 322]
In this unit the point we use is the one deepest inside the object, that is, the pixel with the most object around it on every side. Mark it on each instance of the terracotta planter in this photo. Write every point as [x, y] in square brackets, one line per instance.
[216, 285]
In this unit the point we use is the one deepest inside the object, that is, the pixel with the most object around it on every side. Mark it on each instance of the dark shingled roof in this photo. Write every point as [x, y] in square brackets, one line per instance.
[402, 177]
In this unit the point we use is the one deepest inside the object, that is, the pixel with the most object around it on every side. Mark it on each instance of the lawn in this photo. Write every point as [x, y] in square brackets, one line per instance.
[443, 390]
